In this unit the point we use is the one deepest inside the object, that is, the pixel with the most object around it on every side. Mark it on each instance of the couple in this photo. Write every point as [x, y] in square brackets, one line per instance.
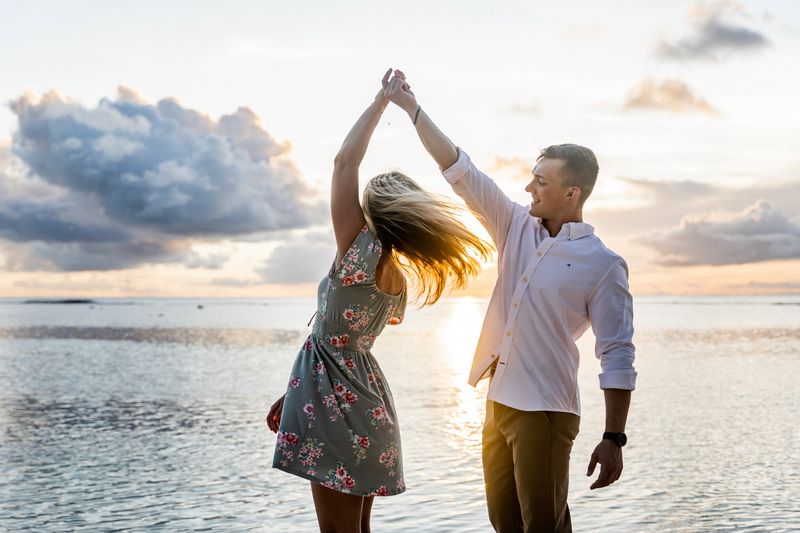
[337, 425]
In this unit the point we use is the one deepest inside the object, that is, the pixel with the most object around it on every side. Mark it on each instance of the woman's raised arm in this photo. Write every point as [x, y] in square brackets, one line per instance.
[346, 213]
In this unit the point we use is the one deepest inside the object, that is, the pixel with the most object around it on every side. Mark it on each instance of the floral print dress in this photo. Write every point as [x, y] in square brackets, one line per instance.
[339, 426]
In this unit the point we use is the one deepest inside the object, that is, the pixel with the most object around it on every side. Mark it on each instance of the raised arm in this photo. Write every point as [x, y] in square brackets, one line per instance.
[435, 142]
[483, 197]
[346, 213]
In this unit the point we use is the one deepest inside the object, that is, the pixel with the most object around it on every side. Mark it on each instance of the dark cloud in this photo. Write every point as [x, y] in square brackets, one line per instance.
[126, 183]
[163, 166]
[81, 256]
[5, 155]
[712, 35]
[306, 259]
[673, 96]
[757, 233]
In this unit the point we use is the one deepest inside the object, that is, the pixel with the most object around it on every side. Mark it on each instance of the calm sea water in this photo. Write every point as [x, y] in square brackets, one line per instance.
[148, 415]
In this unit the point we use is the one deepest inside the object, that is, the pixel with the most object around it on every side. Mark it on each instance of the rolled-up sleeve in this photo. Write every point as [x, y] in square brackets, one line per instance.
[484, 198]
[611, 315]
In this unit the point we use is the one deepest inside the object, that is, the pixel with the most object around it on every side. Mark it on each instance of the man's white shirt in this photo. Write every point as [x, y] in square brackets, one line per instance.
[549, 291]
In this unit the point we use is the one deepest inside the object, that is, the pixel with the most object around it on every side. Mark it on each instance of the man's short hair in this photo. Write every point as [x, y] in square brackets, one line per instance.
[580, 166]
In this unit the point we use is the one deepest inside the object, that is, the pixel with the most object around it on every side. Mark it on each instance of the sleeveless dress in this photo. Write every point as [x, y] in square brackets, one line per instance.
[339, 427]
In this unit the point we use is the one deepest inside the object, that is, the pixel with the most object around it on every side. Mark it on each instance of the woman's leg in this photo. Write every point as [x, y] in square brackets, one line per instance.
[366, 510]
[337, 512]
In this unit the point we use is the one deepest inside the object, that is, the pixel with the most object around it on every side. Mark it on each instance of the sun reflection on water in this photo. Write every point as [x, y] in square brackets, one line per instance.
[458, 338]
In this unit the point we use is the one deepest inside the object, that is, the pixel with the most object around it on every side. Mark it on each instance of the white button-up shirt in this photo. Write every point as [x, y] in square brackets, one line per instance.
[549, 291]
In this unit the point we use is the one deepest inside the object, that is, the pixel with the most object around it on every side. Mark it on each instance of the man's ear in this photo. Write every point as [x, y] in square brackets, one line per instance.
[573, 192]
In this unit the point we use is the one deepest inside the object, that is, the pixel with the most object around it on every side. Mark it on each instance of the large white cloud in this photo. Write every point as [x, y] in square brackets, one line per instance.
[125, 183]
[757, 233]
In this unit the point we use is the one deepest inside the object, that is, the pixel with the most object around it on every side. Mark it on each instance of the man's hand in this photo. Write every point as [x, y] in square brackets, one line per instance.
[274, 415]
[381, 96]
[399, 91]
[609, 455]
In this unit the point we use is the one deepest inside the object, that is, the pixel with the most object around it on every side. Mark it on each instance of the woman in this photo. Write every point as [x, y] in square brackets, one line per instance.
[337, 424]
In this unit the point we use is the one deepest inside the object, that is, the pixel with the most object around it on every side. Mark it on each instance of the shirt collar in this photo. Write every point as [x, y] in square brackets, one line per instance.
[571, 230]
[576, 230]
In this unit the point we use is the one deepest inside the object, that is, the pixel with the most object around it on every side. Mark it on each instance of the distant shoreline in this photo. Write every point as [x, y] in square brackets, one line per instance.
[62, 301]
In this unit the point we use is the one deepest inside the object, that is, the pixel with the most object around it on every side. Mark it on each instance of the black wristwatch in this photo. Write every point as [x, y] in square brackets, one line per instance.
[620, 439]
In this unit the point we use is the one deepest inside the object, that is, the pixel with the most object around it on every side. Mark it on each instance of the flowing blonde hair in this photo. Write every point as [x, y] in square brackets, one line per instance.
[419, 232]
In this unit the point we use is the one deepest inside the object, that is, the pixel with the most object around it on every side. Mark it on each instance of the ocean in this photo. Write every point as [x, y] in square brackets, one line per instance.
[148, 414]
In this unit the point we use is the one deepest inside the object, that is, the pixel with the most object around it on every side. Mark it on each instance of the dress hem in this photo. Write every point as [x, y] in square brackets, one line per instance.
[322, 481]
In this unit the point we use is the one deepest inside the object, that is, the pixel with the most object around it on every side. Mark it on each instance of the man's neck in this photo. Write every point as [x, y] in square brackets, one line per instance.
[554, 225]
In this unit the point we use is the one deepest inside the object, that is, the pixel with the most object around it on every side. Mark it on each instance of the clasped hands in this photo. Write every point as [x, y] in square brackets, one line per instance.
[395, 88]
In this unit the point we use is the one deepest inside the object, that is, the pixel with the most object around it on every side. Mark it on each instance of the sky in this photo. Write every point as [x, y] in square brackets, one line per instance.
[185, 149]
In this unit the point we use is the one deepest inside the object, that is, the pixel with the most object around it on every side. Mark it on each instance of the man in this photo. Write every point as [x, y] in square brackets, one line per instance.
[555, 279]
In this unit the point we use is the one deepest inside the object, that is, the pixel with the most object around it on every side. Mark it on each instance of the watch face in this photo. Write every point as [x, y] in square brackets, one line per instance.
[622, 439]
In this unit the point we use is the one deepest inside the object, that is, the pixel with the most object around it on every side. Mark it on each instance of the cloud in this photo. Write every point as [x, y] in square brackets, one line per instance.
[782, 286]
[531, 108]
[757, 233]
[672, 96]
[81, 256]
[163, 166]
[519, 168]
[712, 35]
[5, 155]
[306, 260]
[126, 183]
[208, 261]
[233, 282]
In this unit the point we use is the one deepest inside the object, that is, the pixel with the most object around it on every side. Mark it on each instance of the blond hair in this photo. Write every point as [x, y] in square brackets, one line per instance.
[419, 232]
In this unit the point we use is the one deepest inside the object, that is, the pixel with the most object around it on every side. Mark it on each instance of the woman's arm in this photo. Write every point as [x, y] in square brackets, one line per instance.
[346, 213]
[435, 142]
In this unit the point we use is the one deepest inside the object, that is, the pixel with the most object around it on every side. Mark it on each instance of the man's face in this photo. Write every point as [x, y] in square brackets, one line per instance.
[549, 196]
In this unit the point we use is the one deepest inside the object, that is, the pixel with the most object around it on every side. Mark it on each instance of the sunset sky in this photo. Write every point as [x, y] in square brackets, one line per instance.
[185, 149]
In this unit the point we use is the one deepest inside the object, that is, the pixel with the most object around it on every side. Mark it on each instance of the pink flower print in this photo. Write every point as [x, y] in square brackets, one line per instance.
[339, 341]
[388, 457]
[294, 382]
[362, 441]
[360, 276]
[349, 363]
[307, 346]
[381, 491]
[401, 484]
[339, 389]
[319, 368]
[378, 415]
[310, 452]
[371, 377]
[349, 314]
[347, 281]
[308, 409]
[286, 438]
[340, 479]
[364, 342]
[349, 397]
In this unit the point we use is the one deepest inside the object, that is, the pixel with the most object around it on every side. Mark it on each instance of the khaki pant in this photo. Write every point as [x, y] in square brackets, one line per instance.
[526, 468]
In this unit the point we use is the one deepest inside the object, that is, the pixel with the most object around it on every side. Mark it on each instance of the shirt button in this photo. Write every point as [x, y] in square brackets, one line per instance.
[525, 279]
[539, 254]
[508, 333]
[516, 304]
